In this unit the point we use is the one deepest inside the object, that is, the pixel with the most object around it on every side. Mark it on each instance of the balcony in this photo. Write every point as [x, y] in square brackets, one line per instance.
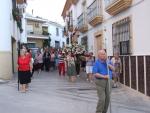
[21, 1]
[95, 13]
[114, 7]
[82, 24]
[35, 35]
[75, 1]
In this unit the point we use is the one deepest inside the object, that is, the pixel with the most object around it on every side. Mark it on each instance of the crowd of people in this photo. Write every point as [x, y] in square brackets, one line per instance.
[100, 70]
[67, 63]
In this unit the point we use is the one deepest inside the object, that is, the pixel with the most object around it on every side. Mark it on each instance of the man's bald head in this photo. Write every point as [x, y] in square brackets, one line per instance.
[102, 54]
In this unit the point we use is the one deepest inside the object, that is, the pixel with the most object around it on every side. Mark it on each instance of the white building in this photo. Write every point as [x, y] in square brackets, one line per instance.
[57, 34]
[34, 33]
[10, 21]
[38, 30]
[99, 21]
[118, 26]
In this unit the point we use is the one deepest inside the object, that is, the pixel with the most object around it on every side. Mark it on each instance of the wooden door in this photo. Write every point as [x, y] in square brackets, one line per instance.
[98, 43]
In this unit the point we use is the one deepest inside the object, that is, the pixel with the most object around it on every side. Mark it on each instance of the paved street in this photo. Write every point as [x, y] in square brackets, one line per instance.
[51, 94]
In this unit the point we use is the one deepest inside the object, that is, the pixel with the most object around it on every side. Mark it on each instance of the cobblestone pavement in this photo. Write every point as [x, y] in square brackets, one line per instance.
[50, 93]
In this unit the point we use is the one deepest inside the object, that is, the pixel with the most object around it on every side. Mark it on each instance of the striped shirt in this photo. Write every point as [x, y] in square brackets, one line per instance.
[61, 59]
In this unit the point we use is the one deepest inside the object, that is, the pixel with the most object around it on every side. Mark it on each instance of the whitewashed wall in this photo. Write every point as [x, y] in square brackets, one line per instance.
[141, 28]
[52, 30]
[5, 25]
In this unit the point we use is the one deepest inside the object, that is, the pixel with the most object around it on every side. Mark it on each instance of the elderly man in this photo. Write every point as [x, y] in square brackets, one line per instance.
[102, 71]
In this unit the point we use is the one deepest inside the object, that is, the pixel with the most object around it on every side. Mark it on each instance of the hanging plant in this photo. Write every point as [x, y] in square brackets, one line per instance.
[19, 24]
[17, 18]
[45, 33]
[15, 13]
[21, 30]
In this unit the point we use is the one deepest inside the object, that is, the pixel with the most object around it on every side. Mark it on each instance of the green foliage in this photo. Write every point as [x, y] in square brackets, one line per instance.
[17, 18]
[45, 33]
[46, 42]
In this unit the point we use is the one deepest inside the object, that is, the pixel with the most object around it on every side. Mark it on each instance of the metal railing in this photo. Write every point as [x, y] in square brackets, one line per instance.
[136, 73]
[109, 2]
[71, 21]
[44, 33]
[94, 10]
[81, 20]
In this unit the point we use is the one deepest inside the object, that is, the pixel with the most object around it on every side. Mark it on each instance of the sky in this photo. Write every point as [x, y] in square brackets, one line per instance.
[48, 9]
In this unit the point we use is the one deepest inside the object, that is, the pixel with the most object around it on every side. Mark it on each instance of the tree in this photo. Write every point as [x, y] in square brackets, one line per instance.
[46, 42]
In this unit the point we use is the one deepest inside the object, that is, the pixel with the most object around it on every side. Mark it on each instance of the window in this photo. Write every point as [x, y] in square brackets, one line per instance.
[57, 44]
[108, 2]
[121, 36]
[30, 29]
[37, 25]
[63, 44]
[67, 40]
[84, 42]
[57, 32]
[31, 45]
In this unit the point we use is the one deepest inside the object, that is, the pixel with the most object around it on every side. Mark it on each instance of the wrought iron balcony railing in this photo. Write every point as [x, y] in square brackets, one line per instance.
[94, 13]
[82, 23]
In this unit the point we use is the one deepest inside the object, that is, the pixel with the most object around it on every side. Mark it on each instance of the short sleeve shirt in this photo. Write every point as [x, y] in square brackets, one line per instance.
[101, 68]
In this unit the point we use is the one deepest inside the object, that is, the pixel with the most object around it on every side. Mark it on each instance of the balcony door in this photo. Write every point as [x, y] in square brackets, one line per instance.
[84, 42]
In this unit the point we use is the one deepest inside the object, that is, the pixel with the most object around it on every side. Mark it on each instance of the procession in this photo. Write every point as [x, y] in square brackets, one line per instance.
[74, 56]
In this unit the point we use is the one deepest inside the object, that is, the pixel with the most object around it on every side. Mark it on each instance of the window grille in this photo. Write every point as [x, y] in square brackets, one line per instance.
[121, 36]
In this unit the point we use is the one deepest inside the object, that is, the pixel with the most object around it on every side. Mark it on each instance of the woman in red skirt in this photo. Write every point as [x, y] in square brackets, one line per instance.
[24, 69]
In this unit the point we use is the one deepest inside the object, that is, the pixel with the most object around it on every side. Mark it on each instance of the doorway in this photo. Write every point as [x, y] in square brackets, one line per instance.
[14, 55]
[98, 42]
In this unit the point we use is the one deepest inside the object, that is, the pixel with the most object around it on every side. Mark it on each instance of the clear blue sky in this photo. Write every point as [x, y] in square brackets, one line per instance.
[49, 9]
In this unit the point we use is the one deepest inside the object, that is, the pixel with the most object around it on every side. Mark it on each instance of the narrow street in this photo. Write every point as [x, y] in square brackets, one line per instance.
[101, 37]
[50, 93]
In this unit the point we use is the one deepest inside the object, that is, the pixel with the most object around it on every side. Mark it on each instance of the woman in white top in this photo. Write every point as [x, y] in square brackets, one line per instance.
[89, 67]
[116, 61]
[39, 59]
